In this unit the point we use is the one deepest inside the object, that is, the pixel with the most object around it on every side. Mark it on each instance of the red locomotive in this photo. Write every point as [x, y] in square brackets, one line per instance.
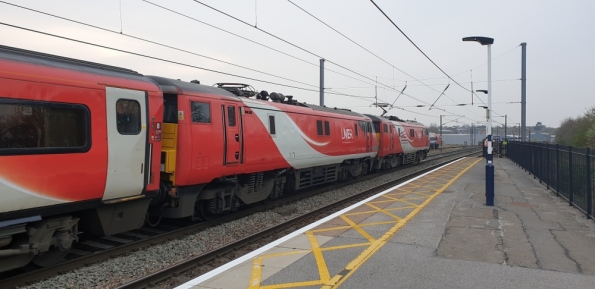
[102, 150]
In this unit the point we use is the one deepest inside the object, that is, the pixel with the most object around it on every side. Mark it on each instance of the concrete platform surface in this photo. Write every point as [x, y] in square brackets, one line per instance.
[432, 232]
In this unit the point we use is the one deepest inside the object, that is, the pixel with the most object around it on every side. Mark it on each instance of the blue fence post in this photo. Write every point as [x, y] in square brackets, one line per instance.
[570, 194]
[589, 193]
[539, 163]
[547, 165]
[534, 158]
[557, 170]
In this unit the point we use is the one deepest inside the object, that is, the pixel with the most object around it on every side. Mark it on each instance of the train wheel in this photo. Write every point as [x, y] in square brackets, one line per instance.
[205, 208]
[16, 261]
[394, 162]
[49, 258]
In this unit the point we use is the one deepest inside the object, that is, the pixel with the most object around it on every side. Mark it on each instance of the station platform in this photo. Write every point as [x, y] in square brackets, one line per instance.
[431, 232]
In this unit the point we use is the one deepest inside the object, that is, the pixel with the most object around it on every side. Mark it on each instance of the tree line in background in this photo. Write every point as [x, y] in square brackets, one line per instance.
[579, 131]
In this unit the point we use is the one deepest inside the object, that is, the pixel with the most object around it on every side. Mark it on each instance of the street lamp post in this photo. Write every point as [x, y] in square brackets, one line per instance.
[489, 156]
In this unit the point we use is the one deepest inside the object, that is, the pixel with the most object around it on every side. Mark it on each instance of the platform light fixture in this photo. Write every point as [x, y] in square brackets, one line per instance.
[489, 156]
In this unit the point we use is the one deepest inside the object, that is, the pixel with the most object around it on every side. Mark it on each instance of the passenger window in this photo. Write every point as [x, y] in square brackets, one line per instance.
[201, 112]
[319, 127]
[128, 116]
[385, 127]
[272, 124]
[327, 128]
[35, 127]
[231, 115]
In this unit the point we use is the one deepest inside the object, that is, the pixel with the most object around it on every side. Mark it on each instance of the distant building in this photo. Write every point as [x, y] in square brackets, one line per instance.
[461, 139]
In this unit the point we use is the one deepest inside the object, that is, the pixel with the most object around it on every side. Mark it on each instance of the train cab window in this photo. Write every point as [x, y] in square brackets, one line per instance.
[319, 127]
[385, 127]
[170, 108]
[36, 127]
[231, 115]
[369, 127]
[362, 125]
[376, 127]
[272, 125]
[356, 130]
[327, 128]
[201, 112]
[411, 133]
[128, 116]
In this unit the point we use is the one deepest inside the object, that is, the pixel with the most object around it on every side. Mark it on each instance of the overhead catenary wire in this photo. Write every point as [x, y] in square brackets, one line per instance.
[154, 42]
[252, 41]
[287, 42]
[314, 54]
[346, 37]
[159, 58]
[182, 50]
[391, 21]
[394, 67]
[395, 25]
[292, 44]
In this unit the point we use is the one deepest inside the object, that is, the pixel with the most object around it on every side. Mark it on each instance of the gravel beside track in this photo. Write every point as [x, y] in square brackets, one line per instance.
[132, 265]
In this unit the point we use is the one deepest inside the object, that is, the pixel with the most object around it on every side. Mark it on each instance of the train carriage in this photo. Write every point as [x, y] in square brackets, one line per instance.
[97, 149]
[224, 149]
[401, 142]
[77, 144]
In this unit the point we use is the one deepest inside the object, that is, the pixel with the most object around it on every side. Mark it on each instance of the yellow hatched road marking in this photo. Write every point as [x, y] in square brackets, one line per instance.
[328, 229]
[384, 212]
[291, 285]
[357, 228]
[376, 223]
[322, 269]
[366, 254]
[374, 244]
[361, 213]
[344, 247]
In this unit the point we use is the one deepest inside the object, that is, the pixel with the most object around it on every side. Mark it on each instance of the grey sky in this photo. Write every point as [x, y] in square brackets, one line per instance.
[558, 35]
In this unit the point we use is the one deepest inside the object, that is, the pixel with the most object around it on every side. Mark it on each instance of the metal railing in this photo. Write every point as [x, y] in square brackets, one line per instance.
[570, 171]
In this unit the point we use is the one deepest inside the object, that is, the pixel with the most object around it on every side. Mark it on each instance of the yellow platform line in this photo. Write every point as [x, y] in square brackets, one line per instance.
[367, 253]
[256, 273]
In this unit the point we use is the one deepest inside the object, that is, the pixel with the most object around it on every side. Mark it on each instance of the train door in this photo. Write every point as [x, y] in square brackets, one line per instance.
[233, 137]
[391, 133]
[126, 112]
[384, 137]
[369, 135]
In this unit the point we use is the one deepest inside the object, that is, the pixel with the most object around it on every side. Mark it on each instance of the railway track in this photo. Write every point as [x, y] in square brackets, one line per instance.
[95, 250]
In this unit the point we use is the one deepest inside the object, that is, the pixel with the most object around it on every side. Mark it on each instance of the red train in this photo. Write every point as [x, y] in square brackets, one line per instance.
[86, 147]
